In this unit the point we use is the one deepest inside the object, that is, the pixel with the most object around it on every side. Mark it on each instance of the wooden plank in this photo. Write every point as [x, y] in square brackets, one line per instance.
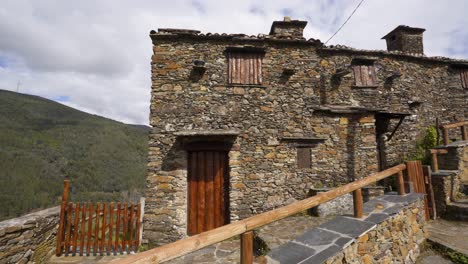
[96, 228]
[209, 191]
[259, 68]
[430, 192]
[68, 230]
[201, 192]
[193, 193]
[90, 228]
[247, 247]
[225, 185]
[372, 78]
[229, 67]
[130, 235]
[358, 203]
[364, 75]
[357, 75]
[102, 243]
[75, 227]
[117, 228]
[63, 205]
[138, 225]
[111, 226]
[196, 242]
[84, 210]
[125, 227]
[217, 190]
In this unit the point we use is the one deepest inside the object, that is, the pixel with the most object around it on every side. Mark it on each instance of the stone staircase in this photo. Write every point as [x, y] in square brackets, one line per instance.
[457, 211]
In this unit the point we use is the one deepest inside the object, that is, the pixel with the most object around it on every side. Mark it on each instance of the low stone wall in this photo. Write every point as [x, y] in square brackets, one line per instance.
[30, 238]
[395, 239]
[391, 232]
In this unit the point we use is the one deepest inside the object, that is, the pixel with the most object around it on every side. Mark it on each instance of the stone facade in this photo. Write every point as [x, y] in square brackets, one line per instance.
[307, 96]
[30, 238]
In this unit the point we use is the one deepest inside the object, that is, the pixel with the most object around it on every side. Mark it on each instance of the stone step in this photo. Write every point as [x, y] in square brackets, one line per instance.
[457, 211]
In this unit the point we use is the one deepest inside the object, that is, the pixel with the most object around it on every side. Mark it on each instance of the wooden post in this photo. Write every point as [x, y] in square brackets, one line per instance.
[446, 136]
[435, 165]
[358, 203]
[464, 133]
[247, 248]
[401, 183]
[66, 189]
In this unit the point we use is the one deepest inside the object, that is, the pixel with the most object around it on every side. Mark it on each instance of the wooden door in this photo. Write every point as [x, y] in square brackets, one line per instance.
[208, 190]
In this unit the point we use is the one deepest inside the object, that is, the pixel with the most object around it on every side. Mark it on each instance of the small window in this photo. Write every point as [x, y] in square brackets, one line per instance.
[464, 78]
[304, 158]
[245, 67]
[364, 75]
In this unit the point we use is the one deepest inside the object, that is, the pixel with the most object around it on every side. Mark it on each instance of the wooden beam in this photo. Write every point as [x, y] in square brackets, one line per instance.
[454, 125]
[247, 247]
[196, 242]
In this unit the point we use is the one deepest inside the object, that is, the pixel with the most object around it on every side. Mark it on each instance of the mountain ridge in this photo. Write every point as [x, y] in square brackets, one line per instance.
[42, 142]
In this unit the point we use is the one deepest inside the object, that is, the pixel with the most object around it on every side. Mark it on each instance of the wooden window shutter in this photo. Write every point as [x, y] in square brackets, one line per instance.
[304, 159]
[245, 68]
[364, 75]
[464, 78]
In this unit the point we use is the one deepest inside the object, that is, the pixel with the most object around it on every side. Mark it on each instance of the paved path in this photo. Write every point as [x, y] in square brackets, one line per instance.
[451, 234]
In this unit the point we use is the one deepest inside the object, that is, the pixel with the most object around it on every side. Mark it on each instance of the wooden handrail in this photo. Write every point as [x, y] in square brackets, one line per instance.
[196, 242]
[445, 128]
[453, 125]
[434, 161]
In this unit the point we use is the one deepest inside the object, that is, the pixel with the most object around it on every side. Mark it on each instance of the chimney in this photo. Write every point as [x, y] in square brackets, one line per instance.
[288, 28]
[405, 39]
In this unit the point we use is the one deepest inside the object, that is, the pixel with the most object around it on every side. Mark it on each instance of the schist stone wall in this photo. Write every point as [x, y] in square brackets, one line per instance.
[29, 238]
[303, 95]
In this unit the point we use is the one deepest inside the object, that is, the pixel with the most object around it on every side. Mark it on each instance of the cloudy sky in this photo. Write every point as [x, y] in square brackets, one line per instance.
[94, 55]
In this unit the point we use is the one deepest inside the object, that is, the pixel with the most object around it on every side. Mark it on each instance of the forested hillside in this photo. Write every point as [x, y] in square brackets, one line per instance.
[42, 142]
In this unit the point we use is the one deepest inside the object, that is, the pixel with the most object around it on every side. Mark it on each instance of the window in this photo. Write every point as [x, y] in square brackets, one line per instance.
[245, 67]
[364, 75]
[304, 158]
[464, 78]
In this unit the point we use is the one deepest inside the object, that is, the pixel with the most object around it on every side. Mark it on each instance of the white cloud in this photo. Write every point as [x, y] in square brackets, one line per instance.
[97, 53]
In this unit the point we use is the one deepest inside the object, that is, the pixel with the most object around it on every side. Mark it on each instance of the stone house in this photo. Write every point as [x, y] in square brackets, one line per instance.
[243, 124]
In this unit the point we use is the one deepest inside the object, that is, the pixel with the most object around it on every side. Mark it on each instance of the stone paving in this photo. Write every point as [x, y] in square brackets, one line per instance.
[451, 234]
[274, 235]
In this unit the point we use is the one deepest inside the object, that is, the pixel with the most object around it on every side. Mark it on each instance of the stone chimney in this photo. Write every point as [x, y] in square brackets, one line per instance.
[405, 39]
[288, 28]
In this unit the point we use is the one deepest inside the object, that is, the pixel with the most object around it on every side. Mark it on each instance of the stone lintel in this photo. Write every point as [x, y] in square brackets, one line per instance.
[195, 133]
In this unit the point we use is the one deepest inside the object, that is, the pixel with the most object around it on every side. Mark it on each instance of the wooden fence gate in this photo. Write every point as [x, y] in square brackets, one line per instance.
[101, 228]
[421, 179]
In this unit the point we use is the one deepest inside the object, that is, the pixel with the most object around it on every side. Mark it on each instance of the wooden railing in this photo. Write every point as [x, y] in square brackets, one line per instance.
[246, 226]
[101, 228]
[445, 130]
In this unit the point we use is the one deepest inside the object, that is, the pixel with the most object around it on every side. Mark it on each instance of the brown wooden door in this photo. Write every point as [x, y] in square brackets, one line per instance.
[208, 190]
